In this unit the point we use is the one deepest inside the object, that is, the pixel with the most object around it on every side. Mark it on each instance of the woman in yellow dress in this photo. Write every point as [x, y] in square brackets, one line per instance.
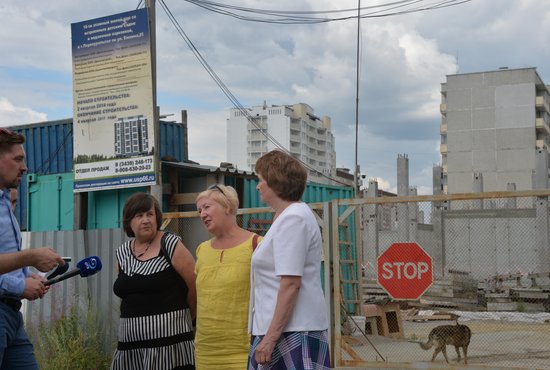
[223, 283]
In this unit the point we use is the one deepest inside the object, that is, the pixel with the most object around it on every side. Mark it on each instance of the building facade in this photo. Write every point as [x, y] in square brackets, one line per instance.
[293, 127]
[131, 136]
[492, 126]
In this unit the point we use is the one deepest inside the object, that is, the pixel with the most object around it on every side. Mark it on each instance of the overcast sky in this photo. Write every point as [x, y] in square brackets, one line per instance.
[404, 59]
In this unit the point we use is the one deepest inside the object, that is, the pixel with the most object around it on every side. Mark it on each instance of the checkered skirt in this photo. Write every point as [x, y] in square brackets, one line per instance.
[295, 351]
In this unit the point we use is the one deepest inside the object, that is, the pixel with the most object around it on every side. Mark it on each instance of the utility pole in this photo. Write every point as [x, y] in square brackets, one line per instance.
[155, 190]
[356, 168]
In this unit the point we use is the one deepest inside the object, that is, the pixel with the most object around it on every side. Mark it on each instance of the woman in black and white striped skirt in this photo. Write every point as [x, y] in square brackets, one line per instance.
[156, 283]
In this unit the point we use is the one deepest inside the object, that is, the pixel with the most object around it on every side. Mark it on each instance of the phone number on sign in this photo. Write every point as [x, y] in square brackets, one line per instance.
[133, 168]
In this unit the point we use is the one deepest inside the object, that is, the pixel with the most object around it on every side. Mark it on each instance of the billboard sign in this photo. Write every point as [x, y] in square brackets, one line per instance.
[113, 112]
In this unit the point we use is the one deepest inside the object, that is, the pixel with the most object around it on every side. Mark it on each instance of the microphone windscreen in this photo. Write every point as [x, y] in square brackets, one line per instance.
[89, 266]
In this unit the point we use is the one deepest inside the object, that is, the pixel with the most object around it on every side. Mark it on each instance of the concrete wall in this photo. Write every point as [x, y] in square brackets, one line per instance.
[490, 121]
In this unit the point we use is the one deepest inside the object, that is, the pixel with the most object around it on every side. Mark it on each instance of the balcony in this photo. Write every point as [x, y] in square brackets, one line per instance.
[295, 149]
[443, 128]
[542, 145]
[542, 125]
[256, 136]
[258, 124]
[257, 149]
[443, 148]
[542, 104]
[443, 108]
[444, 168]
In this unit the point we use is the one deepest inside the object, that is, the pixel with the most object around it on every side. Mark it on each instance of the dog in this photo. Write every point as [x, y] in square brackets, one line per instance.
[455, 335]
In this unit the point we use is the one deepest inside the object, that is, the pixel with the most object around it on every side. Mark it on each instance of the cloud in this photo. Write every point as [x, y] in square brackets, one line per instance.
[404, 59]
[30, 39]
[11, 115]
[206, 131]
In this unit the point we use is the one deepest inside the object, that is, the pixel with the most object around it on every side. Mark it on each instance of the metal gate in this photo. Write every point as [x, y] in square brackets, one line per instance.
[491, 273]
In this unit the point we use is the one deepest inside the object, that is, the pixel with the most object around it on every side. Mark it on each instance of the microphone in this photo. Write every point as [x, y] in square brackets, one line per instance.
[59, 270]
[86, 267]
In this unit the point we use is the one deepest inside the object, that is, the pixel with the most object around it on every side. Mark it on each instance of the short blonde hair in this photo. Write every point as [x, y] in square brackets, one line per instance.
[223, 195]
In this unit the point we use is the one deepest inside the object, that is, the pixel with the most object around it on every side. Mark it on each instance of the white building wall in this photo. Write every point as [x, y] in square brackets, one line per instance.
[295, 128]
[236, 134]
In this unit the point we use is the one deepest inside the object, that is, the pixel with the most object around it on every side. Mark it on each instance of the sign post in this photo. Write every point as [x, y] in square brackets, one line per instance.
[405, 271]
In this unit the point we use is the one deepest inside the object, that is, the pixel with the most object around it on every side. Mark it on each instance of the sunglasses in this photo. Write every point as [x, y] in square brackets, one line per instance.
[215, 186]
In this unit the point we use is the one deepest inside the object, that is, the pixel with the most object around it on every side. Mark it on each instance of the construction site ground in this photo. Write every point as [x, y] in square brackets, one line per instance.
[494, 345]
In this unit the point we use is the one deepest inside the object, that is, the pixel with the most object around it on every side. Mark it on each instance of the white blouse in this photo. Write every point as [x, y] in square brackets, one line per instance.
[292, 246]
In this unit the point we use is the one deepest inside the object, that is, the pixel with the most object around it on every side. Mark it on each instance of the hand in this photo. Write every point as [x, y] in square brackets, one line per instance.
[45, 259]
[34, 287]
[265, 350]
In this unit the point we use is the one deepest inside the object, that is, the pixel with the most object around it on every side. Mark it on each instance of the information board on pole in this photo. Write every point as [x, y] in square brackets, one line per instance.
[113, 112]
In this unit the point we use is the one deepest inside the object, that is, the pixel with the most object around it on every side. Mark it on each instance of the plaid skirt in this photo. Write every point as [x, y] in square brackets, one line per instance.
[306, 350]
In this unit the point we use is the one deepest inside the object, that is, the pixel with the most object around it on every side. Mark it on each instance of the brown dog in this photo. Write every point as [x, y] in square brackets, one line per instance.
[455, 335]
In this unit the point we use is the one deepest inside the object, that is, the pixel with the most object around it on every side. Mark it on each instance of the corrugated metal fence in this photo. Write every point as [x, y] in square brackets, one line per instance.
[93, 293]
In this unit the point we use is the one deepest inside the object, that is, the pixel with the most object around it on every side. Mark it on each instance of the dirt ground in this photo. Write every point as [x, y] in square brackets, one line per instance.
[494, 345]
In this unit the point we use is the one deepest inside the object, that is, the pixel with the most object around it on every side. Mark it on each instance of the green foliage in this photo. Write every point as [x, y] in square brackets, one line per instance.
[84, 158]
[71, 342]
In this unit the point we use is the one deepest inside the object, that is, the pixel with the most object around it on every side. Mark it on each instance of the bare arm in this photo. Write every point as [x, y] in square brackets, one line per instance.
[184, 264]
[286, 300]
[44, 259]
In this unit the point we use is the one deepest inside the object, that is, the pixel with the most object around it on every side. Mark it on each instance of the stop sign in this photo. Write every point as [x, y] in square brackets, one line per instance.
[405, 270]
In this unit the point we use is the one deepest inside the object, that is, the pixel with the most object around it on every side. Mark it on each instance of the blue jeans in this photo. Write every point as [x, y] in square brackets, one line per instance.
[16, 350]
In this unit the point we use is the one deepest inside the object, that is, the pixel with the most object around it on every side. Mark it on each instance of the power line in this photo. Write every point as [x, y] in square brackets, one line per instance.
[309, 17]
[229, 94]
[292, 17]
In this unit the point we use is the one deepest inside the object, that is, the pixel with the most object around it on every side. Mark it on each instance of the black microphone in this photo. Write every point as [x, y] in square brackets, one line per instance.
[86, 267]
[59, 270]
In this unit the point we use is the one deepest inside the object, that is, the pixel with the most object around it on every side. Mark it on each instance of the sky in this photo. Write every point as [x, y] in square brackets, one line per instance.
[404, 58]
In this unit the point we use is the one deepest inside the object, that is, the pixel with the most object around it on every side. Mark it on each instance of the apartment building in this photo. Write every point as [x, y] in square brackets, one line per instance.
[294, 127]
[492, 125]
[131, 136]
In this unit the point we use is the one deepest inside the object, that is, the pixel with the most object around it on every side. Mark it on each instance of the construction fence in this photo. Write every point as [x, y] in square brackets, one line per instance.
[395, 268]
[489, 266]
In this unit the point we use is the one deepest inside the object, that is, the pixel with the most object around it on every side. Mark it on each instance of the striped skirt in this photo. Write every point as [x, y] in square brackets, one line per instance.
[295, 351]
[156, 342]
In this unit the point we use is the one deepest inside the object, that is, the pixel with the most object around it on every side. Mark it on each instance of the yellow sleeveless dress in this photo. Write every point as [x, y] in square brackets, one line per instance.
[223, 294]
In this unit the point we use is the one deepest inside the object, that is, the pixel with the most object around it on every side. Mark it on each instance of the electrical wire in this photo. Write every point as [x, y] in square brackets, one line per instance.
[292, 17]
[309, 17]
[230, 95]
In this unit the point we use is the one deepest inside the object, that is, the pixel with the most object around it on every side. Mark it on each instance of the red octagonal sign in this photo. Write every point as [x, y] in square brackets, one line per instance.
[405, 271]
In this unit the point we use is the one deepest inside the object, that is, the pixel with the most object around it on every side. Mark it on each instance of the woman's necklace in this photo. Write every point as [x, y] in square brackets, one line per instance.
[144, 251]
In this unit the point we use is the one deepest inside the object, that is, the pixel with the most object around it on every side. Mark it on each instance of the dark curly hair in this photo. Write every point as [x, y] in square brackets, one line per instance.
[139, 203]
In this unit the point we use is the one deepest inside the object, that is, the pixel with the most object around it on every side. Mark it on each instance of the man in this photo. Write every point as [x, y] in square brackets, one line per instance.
[16, 351]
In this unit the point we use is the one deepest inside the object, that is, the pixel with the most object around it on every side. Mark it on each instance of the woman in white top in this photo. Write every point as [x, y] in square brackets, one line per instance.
[288, 322]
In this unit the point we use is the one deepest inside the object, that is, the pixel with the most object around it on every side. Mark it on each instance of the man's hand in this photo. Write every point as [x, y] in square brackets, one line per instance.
[45, 259]
[34, 287]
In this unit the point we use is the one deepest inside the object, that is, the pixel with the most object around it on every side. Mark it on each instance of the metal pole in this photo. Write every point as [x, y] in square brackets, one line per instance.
[355, 169]
[156, 190]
